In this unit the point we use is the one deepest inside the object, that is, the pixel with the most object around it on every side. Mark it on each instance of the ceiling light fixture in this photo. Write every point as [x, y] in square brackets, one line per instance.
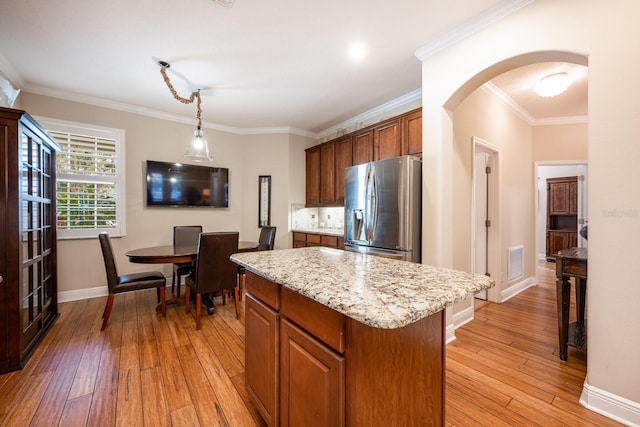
[553, 85]
[198, 148]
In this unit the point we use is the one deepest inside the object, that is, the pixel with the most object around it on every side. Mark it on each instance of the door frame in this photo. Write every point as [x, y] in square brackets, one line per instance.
[493, 237]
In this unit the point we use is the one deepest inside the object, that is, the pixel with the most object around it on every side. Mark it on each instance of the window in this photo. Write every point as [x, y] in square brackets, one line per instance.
[90, 179]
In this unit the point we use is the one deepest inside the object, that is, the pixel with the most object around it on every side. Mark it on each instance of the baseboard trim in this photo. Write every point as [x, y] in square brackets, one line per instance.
[610, 405]
[516, 288]
[79, 294]
[450, 333]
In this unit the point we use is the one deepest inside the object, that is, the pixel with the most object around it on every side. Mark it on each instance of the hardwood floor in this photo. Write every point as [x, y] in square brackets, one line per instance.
[145, 370]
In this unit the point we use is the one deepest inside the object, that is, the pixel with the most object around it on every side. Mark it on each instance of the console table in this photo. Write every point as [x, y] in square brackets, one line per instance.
[571, 263]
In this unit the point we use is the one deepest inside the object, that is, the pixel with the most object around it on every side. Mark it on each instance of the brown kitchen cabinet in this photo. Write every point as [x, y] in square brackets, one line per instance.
[313, 176]
[28, 279]
[562, 215]
[326, 162]
[337, 371]
[303, 240]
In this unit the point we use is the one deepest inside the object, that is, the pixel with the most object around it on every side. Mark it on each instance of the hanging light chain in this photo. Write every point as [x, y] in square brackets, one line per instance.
[194, 95]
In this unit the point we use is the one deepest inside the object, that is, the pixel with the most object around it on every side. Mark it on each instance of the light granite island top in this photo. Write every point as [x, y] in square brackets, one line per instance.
[379, 292]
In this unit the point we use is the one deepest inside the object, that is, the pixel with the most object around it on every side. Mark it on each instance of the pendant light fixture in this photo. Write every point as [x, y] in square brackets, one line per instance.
[198, 148]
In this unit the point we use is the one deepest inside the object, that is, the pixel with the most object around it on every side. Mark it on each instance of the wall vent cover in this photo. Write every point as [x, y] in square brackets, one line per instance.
[516, 262]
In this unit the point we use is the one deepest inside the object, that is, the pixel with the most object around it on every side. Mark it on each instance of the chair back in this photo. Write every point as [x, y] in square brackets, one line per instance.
[109, 260]
[214, 270]
[186, 235]
[267, 238]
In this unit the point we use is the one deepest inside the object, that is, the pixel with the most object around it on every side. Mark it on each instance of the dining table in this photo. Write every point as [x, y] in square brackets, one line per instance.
[172, 254]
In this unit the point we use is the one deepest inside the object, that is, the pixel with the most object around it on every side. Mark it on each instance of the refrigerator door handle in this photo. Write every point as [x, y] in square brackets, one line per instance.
[374, 205]
[370, 204]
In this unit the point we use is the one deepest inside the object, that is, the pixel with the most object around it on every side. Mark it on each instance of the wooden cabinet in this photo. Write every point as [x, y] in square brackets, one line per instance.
[387, 140]
[412, 133]
[28, 280]
[303, 240]
[313, 176]
[344, 159]
[335, 371]
[326, 162]
[562, 214]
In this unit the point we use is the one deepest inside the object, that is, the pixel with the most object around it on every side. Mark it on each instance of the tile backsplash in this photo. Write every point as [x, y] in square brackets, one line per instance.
[314, 218]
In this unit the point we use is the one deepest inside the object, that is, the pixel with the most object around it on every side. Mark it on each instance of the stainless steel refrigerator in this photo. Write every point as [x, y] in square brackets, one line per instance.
[383, 206]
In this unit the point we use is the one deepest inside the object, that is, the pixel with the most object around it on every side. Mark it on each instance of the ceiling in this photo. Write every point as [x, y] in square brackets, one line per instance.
[260, 64]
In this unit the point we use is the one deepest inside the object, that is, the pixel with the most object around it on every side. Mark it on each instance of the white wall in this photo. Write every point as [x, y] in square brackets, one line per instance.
[606, 33]
[80, 264]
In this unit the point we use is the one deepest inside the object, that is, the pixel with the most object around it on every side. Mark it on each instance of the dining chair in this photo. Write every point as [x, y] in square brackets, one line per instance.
[214, 271]
[183, 235]
[266, 241]
[128, 282]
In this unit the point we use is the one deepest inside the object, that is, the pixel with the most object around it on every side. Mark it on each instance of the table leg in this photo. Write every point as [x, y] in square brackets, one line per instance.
[563, 295]
[581, 292]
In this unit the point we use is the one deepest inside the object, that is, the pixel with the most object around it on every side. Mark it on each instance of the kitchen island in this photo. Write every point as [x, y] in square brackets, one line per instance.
[340, 338]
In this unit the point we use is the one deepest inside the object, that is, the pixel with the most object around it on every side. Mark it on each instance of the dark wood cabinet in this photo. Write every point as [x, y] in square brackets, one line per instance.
[327, 173]
[28, 281]
[303, 240]
[412, 133]
[562, 214]
[261, 358]
[312, 380]
[344, 159]
[387, 140]
[313, 176]
[326, 162]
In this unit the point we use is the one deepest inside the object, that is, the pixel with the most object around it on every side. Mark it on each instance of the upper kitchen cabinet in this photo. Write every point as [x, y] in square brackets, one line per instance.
[412, 133]
[326, 162]
[344, 159]
[313, 176]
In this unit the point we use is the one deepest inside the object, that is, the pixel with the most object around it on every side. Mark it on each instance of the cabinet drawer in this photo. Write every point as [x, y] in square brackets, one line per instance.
[314, 238]
[263, 289]
[331, 241]
[302, 237]
[324, 323]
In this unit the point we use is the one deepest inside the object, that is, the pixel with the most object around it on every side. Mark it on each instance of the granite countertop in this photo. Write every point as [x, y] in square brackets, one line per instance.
[339, 232]
[376, 291]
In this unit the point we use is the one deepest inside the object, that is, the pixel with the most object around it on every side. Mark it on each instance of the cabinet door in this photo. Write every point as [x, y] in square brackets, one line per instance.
[312, 380]
[299, 240]
[556, 241]
[363, 147]
[4, 280]
[313, 176]
[344, 156]
[261, 364]
[327, 173]
[387, 141]
[558, 198]
[573, 198]
[412, 134]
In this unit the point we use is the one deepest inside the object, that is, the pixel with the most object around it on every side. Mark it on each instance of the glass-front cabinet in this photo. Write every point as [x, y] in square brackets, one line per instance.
[28, 289]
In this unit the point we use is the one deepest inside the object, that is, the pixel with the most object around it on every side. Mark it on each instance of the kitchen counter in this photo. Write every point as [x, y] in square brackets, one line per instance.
[379, 292]
[337, 232]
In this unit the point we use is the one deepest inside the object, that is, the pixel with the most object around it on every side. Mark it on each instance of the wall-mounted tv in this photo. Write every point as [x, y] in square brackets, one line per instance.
[178, 184]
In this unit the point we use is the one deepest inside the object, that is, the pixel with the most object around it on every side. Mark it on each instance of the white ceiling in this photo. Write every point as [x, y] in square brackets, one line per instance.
[261, 64]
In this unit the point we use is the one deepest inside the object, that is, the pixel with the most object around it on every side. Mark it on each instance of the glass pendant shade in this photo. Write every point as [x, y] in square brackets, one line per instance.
[199, 148]
[553, 85]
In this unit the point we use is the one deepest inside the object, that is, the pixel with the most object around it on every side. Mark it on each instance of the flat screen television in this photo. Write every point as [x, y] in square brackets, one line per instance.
[179, 184]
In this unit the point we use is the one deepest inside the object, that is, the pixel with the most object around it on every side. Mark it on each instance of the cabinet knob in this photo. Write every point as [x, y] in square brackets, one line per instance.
[1, 279]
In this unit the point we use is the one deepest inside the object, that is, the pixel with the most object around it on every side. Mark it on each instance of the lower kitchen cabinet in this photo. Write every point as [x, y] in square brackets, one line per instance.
[312, 380]
[303, 240]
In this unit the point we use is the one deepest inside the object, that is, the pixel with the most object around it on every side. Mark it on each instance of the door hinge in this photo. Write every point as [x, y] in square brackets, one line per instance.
[487, 170]
[581, 178]
[487, 223]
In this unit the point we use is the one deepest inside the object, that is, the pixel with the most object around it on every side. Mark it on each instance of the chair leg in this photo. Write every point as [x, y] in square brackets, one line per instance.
[107, 311]
[178, 281]
[187, 295]
[163, 300]
[173, 281]
[198, 311]
[224, 297]
[240, 284]
[158, 295]
[235, 294]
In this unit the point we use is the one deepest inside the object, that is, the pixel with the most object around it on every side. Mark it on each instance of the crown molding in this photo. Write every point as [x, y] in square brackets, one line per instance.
[373, 115]
[7, 70]
[525, 115]
[486, 18]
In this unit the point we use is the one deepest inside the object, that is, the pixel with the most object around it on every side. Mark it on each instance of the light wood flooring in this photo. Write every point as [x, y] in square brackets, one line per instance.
[502, 370]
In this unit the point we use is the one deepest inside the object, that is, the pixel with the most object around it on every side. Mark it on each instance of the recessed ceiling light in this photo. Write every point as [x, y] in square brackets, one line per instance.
[357, 51]
[553, 84]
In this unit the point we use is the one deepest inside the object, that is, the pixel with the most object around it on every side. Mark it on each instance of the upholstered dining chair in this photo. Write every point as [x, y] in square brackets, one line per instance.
[214, 271]
[183, 235]
[127, 282]
[266, 241]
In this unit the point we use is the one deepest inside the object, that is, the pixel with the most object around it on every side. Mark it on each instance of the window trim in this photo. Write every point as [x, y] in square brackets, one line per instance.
[118, 135]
